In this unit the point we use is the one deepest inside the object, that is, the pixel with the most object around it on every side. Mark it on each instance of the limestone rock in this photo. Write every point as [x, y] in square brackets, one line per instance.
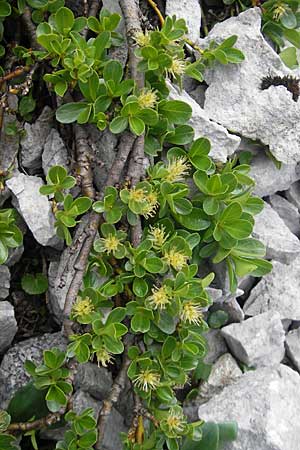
[224, 372]
[12, 372]
[223, 144]
[235, 99]
[292, 343]
[8, 325]
[258, 341]
[34, 208]
[268, 178]
[287, 211]
[55, 152]
[94, 380]
[4, 281]
[190, 11]
[264, 403]
[34, 140]
[282, 245]
[293, 194]
[232, 308]
[216, 346]
[277, 291]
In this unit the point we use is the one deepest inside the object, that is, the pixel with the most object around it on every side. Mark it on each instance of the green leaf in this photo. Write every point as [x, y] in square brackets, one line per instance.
[113, 71]
[238, 229]
[64, 20]
[289, 57]
[140, 287]
[195, 220]
[26, 105]
[70, 112]
[55, 398]
[140, 323]
[3, 252]
[118, 125]
[88, 439]
[211, 206]
[60, 88]
[217, 319]
[136, 125]
[5, 8]
[182, 135]
[175, 111]
[153, 264]
[288, 19]
[34, 284]
[5, 420]
[293, 36]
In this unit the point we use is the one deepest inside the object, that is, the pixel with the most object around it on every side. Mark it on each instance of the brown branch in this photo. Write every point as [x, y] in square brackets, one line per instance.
[92, 13]
[130, 11]
[14, 74]
[26, 18]
[157, 11]
[125, 147]
[84, 156]
[113, 397]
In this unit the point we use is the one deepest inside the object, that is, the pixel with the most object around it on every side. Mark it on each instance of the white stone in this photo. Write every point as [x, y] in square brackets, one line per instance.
[287, 211]
[190, 11]
[216, 346]
[281, 244]
[55, 152]
[268, 178]
[8, 325]
[265, 403]
[34, 208]
[34, 140]
[279, 291]
[258, 341]
[234, 97]
[293, 194]
[223, 144]
[292, 342]
[4, 281]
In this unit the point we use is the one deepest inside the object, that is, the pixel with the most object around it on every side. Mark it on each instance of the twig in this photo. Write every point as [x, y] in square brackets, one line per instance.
[157, 11]
[113, 397]
[14, 74]
[92, 13]
[84, 156]
[26, 17]
[125, 147]
[85, 8]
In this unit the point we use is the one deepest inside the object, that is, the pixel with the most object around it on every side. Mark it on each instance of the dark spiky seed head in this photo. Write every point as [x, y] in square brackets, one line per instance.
[292, 84]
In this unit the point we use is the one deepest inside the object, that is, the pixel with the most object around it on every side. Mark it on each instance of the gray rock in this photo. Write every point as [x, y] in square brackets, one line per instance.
[281, 244]
[292, 342]
[14, 256]
[9, 144]
[223, 144]
[190, 11]
[287, 211]
[4, 281]
[8, 325]
[293, 194]
[264, 403]
[94, 380]
[258, 341]
[234, 97]
[224, 372]
[34, 208]
[34, 140]
[277, 291]
[121, 52]
[114, 425]
[232, 308]
[216, 346]
[268, 178]
[55, 152]
[12, 372]
[104, 145]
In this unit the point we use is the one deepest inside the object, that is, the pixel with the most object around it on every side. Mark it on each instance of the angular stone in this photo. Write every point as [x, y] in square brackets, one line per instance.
[268, 178]
[4, 281]
[34, 140]
[8, 325]
[232, 308]
[216, 346]
[12, 372]
[287, 211]
[14, 256]
[34, 208]
[292, 343]
[258, 341]
[55, 152]
[264, 403]
[277, 291]
[94, 380]
[224, 372]
[293, 194]
[234, 97]
[281, 244]
[223, 144]
[190, 11]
